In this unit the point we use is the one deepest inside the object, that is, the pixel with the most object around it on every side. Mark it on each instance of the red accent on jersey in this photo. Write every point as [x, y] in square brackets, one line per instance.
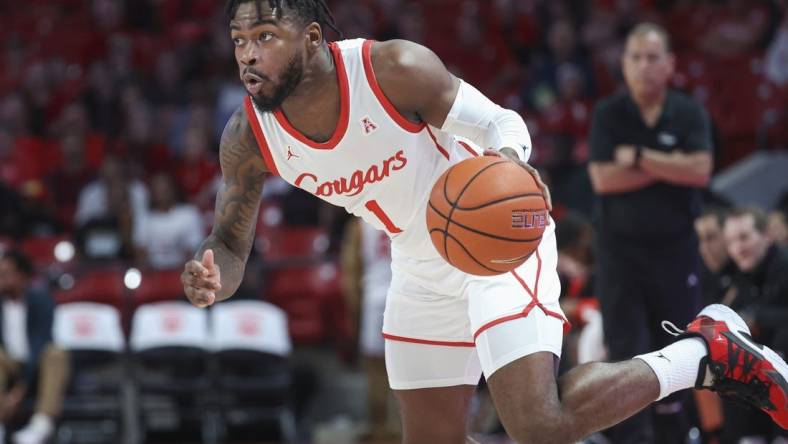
[259, 136]
[527, 310]
[407, 125]
[344, 109]
[468, 148]
[428, 342]
[438, 145]
[353, 185]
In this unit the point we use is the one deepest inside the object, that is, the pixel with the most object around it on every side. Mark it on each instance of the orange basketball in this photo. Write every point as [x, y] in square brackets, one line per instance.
[486, 215]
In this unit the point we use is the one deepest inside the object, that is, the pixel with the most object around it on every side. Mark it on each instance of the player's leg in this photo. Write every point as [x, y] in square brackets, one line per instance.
[517, 344]
[433, 385]
[435, 415]
[536, 408]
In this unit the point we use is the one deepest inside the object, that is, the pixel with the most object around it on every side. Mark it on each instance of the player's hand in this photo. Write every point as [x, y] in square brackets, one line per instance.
[201, 280]
[511, 154]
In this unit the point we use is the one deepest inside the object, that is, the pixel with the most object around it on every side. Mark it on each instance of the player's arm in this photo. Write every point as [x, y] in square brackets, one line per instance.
[417, 83]
[218, 266]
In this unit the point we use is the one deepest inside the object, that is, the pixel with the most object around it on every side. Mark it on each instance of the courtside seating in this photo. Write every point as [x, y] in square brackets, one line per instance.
[168, 344]
[93, 405]
[311, 296]
[158, 286]
[251, 345]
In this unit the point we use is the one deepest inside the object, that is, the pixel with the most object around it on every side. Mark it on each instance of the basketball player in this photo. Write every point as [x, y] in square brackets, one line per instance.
[374, 125]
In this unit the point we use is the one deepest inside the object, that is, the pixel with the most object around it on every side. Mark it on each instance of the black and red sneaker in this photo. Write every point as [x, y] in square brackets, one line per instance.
[737, 366]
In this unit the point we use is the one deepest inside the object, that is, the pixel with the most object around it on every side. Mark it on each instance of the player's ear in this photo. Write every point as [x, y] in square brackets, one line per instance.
[314, 36]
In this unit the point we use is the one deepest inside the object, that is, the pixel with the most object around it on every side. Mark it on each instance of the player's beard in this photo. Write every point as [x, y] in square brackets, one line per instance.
[288, 81]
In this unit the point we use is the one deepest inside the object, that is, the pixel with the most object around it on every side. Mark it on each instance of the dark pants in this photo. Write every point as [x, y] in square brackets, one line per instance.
[639, 286]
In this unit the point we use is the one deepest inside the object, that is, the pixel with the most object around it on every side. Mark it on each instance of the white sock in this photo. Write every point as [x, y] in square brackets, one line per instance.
[676, 365]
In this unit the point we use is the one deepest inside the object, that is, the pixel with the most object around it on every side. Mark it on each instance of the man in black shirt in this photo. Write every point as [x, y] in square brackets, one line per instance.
[650, 154]
[760, 295]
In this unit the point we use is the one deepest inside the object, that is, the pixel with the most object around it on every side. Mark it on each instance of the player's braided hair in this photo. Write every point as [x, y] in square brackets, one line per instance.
[307, 11]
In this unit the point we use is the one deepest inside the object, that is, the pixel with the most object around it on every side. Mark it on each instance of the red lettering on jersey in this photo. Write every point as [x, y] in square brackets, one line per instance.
[304, 176]
[355, 184]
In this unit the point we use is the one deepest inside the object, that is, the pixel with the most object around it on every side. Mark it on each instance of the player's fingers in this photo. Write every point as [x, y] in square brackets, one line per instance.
[491, 152]
[542, 186]
[201, 298]
[207, 259]
[195, 268]
[206, 283]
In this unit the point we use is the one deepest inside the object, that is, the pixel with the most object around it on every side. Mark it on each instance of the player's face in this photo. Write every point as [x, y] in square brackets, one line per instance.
[647, 64]
[712, 243]
[746, 245]
[269, 53]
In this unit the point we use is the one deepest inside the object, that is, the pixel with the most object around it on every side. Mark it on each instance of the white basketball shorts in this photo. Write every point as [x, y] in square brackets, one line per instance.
[444, 327]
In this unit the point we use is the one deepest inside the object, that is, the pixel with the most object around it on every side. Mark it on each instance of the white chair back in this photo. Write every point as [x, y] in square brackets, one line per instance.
[166, 324]
[250, 325]
[88, 326]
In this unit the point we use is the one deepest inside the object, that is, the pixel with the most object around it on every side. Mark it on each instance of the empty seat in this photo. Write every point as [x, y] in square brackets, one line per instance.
[168, 343]
[93, 404]
[251, 343]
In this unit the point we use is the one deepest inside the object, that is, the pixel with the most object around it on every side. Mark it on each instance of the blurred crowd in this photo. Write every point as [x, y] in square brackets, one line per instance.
[111, 110]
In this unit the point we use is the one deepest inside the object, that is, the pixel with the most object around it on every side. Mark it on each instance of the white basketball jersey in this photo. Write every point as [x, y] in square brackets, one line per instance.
[377, 164]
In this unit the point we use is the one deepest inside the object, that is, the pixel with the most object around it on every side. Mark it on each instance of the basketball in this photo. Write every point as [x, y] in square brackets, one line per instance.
[486, 215]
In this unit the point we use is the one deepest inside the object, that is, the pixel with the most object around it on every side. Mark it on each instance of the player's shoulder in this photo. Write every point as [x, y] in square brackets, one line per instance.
[399, 56]
[238, 140]
[238, 129]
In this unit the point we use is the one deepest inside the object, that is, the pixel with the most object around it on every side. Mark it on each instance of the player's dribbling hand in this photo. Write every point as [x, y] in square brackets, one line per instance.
[201, 280]
[513, 156]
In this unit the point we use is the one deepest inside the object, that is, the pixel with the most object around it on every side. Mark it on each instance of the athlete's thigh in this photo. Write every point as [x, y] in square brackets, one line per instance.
[435, 415]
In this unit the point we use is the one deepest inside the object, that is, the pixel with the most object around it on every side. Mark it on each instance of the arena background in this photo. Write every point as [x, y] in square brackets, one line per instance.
[137, 92]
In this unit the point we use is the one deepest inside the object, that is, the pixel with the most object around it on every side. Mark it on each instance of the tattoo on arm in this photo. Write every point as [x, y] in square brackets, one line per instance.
[237, 203]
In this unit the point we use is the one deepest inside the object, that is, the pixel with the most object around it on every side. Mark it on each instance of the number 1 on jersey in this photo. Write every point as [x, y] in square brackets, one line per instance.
[373, 206]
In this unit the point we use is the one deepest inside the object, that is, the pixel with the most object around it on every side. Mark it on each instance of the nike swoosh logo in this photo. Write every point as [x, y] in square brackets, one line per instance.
[660, 355]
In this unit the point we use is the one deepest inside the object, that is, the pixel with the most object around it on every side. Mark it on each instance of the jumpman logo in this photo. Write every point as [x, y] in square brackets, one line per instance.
[290, 154]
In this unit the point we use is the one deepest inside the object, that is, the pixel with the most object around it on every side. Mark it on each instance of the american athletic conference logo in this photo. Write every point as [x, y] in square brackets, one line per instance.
[527, 219]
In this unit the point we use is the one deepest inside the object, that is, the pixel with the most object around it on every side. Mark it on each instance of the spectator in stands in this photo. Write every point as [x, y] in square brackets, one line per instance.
[197, 167]
[562, 44]
[28, 359]
[761, 297]
[107, 210]
[575, 237]
[65, 183]
[718, 270]
[649, 157]
[778, 226]
[171, 231]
